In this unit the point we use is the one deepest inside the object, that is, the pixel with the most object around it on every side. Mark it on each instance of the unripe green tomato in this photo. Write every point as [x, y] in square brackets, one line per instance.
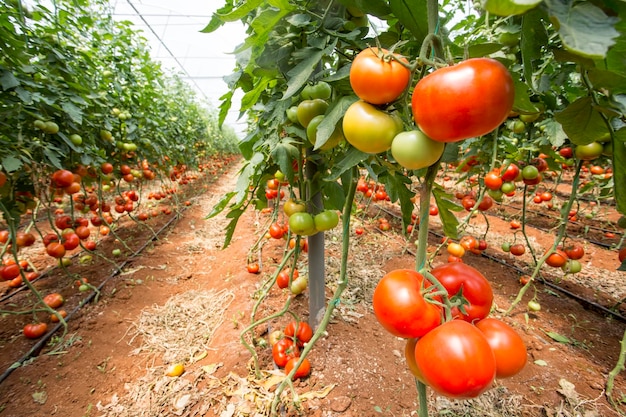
[572, 266]
[589, 152]
[76, 139]
[292, 114]
[369, 129]
[326, 220]
[321, 90]
[534, 305]
[506, 247]
[415, 150]
[331, 142]
[116, 252]
[497, 195]
[302, 223]
[528, 118]
[530, 172]
[51, 128]
[518, 126]
[507, 187]
[308, 109]
[279, 175]
[39, 124]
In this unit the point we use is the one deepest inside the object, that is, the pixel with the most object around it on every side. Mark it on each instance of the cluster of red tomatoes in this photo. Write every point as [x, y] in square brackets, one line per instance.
[501, 181]
[459, 357]
[286, 347]
[451, 104]
[372, 189]
[467, 243]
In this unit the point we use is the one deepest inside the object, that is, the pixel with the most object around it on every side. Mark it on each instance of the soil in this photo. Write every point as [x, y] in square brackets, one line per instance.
[102, 365]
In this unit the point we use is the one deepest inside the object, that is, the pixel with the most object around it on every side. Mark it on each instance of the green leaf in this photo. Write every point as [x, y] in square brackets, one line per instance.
[284, 154]
[351, 158]
[619, 169]
[445, 203]
[607, 80]
[334, 114]
[413, 14]
[483, 49]
[583, 27]
[533, 38]
[378, 8]
[221, 205]
[522, 102]
[509, 7]
[73, 112]
[582, 122]
[11, 163]
[335, 195]
[559, 337]
[397, 188]
[8, 80]
[300, 74]
[554, 131]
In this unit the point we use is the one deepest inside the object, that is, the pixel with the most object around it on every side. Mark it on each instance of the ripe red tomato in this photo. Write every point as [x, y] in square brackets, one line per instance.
[70, 241]
[493, 181]
[301, 332]
[518, 249]
[284, 350]
[106, 168]
[303, 370]
[574, 251]
[465, 100]
[400, 306]
[378, 78]
[459, 278]
[283, 278]
[55, 249]
[54, 300]
[253, 268]
[507, 345]
[369, 129]
[276, 231]
[486, 203]
[557, 259]
[456, 360]
[515, 224]
[35, 330]
[510, 173]
[621, 255]
[62, 178]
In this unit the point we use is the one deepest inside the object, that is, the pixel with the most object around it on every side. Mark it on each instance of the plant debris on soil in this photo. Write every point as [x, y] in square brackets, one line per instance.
[186, 300]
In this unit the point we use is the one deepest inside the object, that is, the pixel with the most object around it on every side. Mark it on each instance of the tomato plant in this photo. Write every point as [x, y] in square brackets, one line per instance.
[456, 360]
[400, 306]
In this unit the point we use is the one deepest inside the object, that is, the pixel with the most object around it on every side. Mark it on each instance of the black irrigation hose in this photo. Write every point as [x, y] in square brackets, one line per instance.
[591, 305]
[41, 342]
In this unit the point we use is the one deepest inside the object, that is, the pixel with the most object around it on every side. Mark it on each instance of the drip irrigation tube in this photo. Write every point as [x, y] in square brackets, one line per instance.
[34, 351]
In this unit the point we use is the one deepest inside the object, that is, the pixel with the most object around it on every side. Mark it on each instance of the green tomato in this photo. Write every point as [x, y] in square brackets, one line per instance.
[572, 266]
[530, 172]
[415, 150]
[292, 206]
[589, 152]
[299, 284]
[497, 195]
[129, 147]
[534, 305]
[302, 223]
[292, 114]
[51, 128]
[528, 118]
[76, 139]
[116, 252]
[368, 129]
[518, 127]
[39, 124]
[326, 220]
[506, 247]
[279, 175]
[308, 109]
[335, 138]
[507, 187]
[321, 90]
[508, 7]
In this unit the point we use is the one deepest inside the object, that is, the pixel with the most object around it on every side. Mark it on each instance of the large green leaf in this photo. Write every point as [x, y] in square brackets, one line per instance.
[413, 14]
[583, 27]
[378, 8]
[509, 7]
[533, 39]
[445, 203]
[350, 159]
[582, 122]
[397, 188]
[334, 114]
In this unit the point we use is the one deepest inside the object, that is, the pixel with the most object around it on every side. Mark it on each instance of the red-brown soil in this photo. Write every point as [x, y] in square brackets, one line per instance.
[358, 369]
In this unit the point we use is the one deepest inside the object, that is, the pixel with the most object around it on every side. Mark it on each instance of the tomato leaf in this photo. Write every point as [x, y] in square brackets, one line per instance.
[483, 49]
[619, 170]
[413, 15]
[333, 115]
[582, 122]
[508, 7]
[554, 131]
[445, 203]
[534, 36]
[351, 158]
[522, 102]
[335, 195]
[377, 8]
[559, 337]
[584, 28]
